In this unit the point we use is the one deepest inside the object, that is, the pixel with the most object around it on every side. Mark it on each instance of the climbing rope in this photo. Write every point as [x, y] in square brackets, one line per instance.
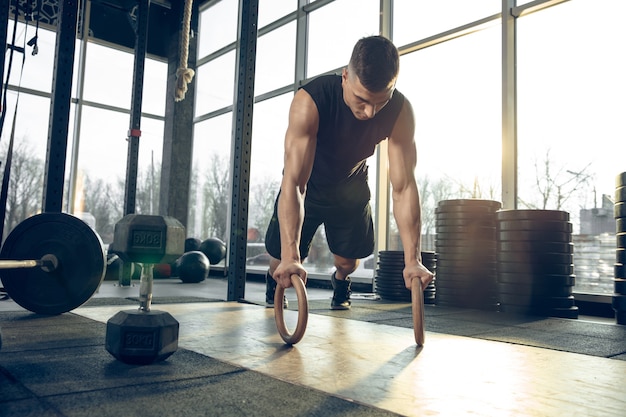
[184, 75]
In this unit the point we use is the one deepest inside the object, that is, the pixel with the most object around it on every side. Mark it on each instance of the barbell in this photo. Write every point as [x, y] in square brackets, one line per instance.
[52, 263]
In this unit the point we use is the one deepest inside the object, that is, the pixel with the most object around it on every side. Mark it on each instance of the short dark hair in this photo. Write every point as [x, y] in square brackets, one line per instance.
[376, 62]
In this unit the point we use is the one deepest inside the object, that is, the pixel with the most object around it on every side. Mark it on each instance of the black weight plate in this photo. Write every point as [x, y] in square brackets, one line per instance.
[477, 246]
[555, 215]
[619, 271]
[391, 265]
[564, 313]
[537, 258]
[537, 301]
[391, 253]
[541, 279]
[534, 247]
[465, 256]
[618, 301]
[391, 286]
[619, 210]
[473, 202]
[82, 263]
[542, 225]
[522, 267]
[535, 236]
[459, 293]
[487, 231]
[464, 223]
[620, 194]
[469, 218]
[455, 271]
[620, 285]
[541, 291]
[479, 249]
[620, 180]
[620, 225]
[462, 283]
[620, 256]
[384, 275]
[468, 210]
[620, 240]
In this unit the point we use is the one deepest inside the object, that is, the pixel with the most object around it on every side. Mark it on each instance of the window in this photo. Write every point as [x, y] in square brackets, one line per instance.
[570, 139]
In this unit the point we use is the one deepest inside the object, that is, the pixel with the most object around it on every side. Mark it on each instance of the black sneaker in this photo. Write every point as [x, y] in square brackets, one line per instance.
[341, 294]
[270, 289]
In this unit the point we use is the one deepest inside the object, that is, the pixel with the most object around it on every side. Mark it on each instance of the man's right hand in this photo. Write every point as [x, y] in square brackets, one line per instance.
[284, 271]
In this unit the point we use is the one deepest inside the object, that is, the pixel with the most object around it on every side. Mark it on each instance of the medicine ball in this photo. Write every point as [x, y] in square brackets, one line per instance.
[192, 243]
[214, 249]
[193, 267]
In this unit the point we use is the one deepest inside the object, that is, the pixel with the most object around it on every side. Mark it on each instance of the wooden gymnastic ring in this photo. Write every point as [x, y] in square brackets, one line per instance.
[303, 311]
[417, 307]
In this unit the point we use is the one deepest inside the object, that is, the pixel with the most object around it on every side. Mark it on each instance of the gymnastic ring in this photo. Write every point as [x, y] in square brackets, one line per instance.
[417, 308]
[303, 311]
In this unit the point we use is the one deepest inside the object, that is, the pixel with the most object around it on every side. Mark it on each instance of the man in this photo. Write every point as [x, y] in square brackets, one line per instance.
[335, 123]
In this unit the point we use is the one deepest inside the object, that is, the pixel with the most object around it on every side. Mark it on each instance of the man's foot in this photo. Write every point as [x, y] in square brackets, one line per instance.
[270, 289]
[341, 294]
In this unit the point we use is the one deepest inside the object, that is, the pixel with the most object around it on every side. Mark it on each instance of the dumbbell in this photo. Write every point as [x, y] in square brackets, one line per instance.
[145, 336]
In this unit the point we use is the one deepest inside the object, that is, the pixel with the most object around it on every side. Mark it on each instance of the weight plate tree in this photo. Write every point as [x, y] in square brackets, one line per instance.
[619, 296]
[466, 253]
[389, 281]
[535, 263]
[71, 264]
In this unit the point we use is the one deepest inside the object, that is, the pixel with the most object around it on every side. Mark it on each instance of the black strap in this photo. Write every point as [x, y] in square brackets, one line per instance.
[7, 166]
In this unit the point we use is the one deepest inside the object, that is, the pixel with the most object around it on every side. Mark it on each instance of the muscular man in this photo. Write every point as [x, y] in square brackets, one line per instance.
[335, 123]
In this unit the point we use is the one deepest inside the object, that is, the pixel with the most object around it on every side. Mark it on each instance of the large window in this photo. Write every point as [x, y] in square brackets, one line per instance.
[335, 28]
[571, 142]
[454, 88]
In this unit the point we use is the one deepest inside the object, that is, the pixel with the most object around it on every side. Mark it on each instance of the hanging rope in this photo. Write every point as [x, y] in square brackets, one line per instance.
[184, 75]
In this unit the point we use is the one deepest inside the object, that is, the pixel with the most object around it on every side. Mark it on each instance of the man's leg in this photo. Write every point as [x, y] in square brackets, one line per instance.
[341, 282]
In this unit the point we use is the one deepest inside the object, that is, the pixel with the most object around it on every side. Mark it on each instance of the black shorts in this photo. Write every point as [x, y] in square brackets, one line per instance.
[348, 226]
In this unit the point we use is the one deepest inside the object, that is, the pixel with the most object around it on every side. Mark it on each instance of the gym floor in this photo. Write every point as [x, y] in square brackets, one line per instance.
[363, 362]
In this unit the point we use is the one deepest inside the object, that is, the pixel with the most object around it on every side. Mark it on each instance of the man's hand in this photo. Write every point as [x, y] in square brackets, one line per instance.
[284, 271]
[416, 271]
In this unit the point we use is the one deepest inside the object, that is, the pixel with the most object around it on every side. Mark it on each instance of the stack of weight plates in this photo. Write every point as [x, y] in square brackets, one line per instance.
[466, 253]
[390, 282]
[619, 297]
[535, 263]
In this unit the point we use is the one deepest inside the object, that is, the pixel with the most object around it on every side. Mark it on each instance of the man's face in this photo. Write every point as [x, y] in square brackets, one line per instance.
[363, 103]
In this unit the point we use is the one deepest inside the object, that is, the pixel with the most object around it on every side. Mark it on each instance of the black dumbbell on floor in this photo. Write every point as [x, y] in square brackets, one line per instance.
[144, 335]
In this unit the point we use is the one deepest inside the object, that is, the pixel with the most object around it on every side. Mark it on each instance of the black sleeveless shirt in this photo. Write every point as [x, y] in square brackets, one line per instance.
[344, 142]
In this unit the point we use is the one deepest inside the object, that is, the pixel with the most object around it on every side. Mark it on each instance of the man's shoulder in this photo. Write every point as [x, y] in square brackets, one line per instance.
[323, 81]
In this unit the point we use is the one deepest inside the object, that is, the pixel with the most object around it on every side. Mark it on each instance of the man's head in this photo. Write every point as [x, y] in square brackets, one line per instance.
[370, 78]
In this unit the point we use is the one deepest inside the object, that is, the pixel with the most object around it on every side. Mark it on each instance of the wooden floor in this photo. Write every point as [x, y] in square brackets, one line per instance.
[381, 366]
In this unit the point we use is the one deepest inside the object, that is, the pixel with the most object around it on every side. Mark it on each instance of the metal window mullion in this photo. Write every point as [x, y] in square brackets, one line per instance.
[383, 188]
[509, 107]
[82, 59]
[302, 29]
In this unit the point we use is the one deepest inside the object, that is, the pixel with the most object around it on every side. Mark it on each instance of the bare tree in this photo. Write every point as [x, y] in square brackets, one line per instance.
[24, 196]
[556, 184]
[263, 199]
[215, 195]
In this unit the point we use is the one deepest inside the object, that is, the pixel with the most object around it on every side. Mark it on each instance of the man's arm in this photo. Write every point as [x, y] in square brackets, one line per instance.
[406, 200]
[300, 143]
